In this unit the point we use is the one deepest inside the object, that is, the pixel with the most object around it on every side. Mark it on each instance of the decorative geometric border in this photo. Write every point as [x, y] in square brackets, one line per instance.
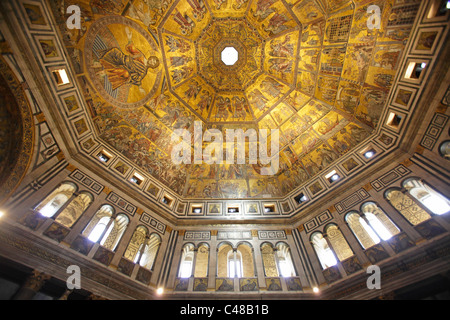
[318, 221]
[153, 223]
[434, 130]
[271, 235]
[121, 203]
[351, 200]
[234, 235]
[87, 181]
[389, 177]
[197, 235]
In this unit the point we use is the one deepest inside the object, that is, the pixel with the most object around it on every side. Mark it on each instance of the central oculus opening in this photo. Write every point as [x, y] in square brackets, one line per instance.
[229, 56]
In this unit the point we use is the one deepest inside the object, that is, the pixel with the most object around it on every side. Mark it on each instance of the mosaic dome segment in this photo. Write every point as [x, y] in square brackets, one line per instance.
[312, 70]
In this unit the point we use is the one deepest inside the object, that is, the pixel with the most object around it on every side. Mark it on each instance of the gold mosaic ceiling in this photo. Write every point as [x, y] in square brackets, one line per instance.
[312, 69]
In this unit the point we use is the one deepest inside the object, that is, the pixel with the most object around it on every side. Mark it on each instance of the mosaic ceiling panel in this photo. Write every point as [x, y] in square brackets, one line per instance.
[311, 69]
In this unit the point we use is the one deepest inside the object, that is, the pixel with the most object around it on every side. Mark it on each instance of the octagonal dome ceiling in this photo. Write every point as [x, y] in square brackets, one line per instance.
[310, 69]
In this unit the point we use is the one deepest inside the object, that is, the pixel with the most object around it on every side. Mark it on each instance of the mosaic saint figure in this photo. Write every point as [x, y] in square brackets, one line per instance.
[127, 68]
[194, 89]
[179, 61]
[258, 99]
[271, 87]
[241, 108]
[239, 3]
[280, 65]
[219, 3]
[276, 24]
[205, 101]
[198, 8]
[223, 107]
[181, 74]
[185, 22]
[263, 9]
[282, 49]
[177, 44]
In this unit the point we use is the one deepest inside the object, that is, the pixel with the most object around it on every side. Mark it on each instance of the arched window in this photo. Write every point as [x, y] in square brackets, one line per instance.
[135, 245]
[150, 251]
[269, 263]
[55, 200]
[98, 224]
[187, 260]
[404, 204]
[379, 221]
[234, 264]
[362, 231]
[75, 209]
[99, 228]
[202, 261]
[246, 253]
[338, 242]
[323, 251]
[115, 232]
[223, 254]
[429, 198]
[285, 264]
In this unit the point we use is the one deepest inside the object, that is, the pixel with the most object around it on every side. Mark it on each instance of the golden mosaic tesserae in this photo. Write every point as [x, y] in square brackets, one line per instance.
[312, 139]
[311, 69]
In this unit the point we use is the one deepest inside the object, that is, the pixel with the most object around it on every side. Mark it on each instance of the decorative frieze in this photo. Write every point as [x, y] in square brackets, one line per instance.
[153, 223]
[197, 235]
[234, 235]
[272, 235]
[87, 181]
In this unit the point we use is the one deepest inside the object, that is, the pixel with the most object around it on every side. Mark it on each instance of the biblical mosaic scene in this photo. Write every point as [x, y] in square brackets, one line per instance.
[314, 70]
